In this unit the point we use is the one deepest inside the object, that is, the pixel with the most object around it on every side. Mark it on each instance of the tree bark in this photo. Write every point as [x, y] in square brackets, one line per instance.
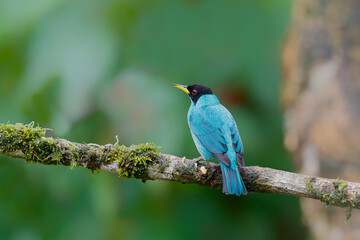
[321, 95]
[146, 163]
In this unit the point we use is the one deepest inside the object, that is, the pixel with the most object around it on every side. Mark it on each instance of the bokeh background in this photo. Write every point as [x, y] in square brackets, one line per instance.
[90, 70]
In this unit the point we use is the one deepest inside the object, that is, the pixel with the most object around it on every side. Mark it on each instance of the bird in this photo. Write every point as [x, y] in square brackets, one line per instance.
[215, 134]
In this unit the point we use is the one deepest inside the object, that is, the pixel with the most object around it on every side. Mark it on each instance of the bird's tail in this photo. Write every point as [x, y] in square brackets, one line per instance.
[232, 181]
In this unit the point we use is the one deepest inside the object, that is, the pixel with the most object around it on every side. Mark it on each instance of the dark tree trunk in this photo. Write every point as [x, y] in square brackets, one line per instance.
[321, 96]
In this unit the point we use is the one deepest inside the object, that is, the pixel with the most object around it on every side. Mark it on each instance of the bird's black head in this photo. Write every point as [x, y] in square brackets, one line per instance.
[197, 90]
[194, 91]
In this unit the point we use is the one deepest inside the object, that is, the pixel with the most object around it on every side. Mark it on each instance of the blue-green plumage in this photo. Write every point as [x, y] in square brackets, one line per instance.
[216, 135]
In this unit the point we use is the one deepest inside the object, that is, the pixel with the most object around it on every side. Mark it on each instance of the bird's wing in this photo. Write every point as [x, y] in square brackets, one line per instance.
[210, 136]
[237, 144]
[235, 136]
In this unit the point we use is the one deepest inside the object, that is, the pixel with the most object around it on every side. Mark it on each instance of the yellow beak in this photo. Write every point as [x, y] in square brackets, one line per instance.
[182, 87]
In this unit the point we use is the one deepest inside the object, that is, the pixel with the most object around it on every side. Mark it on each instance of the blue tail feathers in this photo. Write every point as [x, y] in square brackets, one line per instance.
[232, 181]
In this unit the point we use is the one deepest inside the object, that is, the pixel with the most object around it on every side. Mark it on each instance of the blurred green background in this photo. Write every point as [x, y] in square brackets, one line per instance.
[91, 70]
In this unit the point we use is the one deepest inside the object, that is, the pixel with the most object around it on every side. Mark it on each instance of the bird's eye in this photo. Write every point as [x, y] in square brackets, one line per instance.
[194, 92]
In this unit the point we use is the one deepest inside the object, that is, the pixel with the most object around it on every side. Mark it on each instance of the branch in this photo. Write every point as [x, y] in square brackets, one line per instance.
[145, 162]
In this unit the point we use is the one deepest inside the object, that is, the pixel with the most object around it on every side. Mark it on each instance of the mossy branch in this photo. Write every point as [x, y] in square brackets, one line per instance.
[145, 162]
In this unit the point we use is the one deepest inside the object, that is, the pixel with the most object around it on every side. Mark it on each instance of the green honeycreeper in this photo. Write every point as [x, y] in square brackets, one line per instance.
[216, 135]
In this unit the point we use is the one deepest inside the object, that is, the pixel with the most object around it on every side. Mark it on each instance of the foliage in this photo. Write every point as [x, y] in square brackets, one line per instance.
[91, 70]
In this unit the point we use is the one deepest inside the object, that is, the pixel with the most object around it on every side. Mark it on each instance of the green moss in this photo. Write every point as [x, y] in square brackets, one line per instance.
[14, 137]
[309, 184]
[30, 141]
[132, 161]
[353, 204]
[349, 213]
[339, 197]
[339, 185]
[326, 198]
